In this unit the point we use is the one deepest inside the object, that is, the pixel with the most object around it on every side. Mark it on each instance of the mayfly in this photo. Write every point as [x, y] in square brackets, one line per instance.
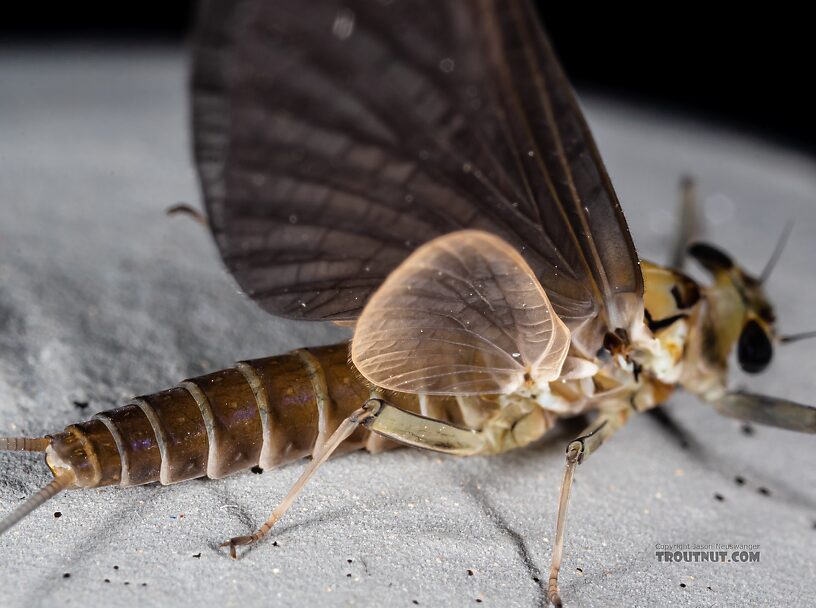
[420, 171]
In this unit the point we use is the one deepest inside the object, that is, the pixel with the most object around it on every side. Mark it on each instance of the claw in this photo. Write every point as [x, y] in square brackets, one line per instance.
[235, 542]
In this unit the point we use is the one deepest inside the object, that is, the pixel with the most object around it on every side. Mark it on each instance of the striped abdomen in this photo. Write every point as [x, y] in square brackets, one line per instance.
[264, 412]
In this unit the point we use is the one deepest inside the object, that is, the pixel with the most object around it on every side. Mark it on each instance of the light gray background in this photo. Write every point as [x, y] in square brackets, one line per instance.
[103, 297]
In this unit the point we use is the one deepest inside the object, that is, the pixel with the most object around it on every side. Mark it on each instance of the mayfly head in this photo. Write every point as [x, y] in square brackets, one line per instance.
[739, 311]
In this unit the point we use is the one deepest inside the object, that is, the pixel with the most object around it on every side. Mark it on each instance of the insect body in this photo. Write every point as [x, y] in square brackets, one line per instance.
[421, 171]
[272, 411]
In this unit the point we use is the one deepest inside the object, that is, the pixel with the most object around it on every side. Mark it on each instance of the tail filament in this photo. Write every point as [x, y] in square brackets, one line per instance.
[23, 444]
[48, 492]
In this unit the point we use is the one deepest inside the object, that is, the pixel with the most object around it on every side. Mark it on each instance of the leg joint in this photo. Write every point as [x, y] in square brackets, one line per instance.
[369, 410]
[575, 450]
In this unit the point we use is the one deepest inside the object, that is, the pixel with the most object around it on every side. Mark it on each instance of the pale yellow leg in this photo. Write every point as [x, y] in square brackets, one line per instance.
[577, 451]
[411, 429]
[347, 427]
[691, 226]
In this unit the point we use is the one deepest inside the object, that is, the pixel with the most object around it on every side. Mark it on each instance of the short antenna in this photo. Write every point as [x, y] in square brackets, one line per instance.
[796, 337]
[777, 252]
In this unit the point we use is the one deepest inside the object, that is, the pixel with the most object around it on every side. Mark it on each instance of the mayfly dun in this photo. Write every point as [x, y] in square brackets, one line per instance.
[420, 171]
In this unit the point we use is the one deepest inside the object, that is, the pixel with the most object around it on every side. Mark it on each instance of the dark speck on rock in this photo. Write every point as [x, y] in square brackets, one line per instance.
[683, 585]
[739, 480]
[197, 555]
[66, 575]
[747, 429]
[719, 497]
[764, 491]
[257, 470]
[57, 514]
[80, 404]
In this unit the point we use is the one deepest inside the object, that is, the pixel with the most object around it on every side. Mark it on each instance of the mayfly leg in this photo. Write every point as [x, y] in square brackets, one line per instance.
[690, 224]
[770, 411]
[369, 409]
[578, 450]
[386, 420]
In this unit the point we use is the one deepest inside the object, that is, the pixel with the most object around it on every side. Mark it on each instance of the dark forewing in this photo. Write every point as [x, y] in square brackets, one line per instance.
[333, 138]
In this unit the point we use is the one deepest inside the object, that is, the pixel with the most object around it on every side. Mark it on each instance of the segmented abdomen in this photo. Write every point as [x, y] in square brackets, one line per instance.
[264, 412]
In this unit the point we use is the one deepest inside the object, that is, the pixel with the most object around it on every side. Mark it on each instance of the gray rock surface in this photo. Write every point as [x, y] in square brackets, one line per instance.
[103, 297]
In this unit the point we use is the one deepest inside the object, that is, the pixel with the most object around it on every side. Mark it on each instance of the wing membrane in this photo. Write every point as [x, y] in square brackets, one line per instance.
[463, 315]
[334, 138]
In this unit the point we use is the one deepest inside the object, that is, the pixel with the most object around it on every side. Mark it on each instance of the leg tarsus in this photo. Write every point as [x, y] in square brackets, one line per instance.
[236, 542]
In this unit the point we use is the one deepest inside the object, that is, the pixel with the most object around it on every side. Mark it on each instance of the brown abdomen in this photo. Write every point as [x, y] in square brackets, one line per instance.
[264, 412]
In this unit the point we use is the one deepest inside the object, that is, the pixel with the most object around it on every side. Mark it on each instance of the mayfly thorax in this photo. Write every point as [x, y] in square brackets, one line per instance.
[422, 172]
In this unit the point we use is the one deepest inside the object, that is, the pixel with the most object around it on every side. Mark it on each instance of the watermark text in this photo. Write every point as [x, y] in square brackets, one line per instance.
[701, 553]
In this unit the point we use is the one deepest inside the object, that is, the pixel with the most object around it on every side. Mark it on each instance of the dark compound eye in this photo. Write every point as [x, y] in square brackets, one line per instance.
[710, 257]
[754, 351]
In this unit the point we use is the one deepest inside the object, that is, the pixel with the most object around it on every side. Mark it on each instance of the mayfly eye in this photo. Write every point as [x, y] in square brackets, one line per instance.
[754, 351]
[710, 257]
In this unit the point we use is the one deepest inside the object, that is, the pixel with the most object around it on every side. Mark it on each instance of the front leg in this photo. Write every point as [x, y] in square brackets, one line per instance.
[578, 450]
[690, 226]
[770, 411]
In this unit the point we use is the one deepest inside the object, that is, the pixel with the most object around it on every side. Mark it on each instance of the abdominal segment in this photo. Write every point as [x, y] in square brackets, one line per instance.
[264, 412]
